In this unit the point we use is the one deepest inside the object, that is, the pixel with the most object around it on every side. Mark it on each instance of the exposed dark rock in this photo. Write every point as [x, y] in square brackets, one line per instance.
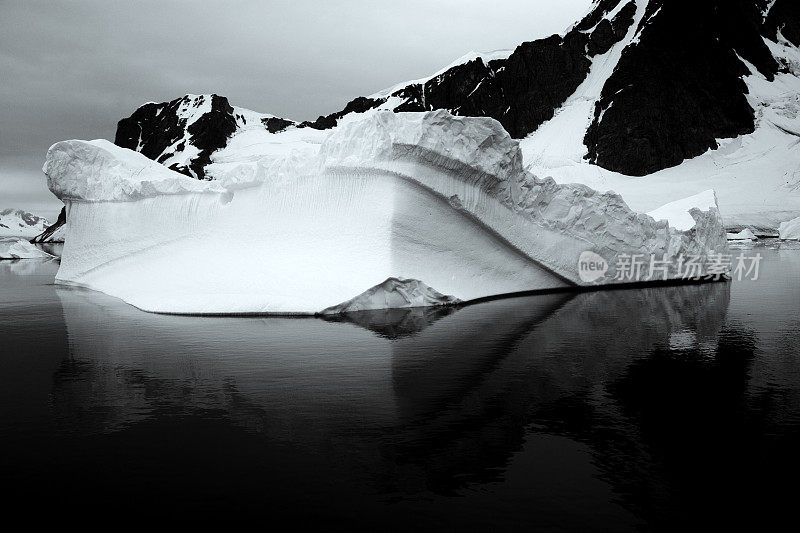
[673, 93]
[276, 124]
[596, 15]
[522, 91]
[609, 32]
[538, 77]
[783, 17]
[47, 233]
[681, 87]
[154, 128]
[359, 105]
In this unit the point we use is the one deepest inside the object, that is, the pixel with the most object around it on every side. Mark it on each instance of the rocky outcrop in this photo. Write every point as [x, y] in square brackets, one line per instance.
[181, 134]
[54, 232]
[676, 88]
[680, 88]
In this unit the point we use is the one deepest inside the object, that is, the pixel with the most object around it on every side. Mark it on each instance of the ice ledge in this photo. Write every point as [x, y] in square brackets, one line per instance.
[100, 171]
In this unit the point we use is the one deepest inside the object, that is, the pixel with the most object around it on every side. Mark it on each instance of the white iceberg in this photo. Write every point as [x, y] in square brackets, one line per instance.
[394, 293]
[422, 196]
[745, 235]
[17, 248]
[790, 230]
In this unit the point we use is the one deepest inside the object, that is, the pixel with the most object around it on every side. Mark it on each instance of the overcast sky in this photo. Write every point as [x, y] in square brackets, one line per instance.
[72, 69]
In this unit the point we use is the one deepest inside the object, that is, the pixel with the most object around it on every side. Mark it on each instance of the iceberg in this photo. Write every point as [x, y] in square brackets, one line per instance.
[745, 235]
[790, 230]
[394, 293]
[441, 200]
[18, 248]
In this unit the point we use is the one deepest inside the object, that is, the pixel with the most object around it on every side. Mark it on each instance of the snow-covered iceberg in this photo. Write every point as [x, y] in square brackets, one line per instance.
[745, 235]
[17, 248]
[790, 230]
[422, 196]
[394, 293]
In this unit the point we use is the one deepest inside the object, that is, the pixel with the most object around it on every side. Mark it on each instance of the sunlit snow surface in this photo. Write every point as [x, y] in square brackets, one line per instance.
[312, 219]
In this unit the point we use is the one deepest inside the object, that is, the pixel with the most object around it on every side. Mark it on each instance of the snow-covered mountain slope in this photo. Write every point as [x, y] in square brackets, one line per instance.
[431, 197]
[686, 95]
[756, 175]
[183, 133]
[19, 223]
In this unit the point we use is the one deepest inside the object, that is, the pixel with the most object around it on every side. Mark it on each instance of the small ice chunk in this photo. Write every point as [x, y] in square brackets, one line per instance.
[394, 293]
[744, 235]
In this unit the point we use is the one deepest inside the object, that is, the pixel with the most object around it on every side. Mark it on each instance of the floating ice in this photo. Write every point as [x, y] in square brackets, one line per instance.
[422, 196]
[790, 230]
[394, 293]
[16, 248]
[744, 235]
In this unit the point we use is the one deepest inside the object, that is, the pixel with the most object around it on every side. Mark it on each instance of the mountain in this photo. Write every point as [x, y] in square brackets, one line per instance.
[689, 95]
[54, 232]
[182, 134]
[19, 223]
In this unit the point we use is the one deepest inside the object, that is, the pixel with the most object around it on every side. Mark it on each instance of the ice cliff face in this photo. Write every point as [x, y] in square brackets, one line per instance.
[421, 196]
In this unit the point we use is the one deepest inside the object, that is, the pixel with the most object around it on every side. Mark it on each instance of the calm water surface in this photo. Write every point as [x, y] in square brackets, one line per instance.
[645, 409]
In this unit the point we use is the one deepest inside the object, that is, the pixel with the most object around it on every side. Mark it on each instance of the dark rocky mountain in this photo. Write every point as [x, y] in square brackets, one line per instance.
[680, 88]
[48, 234]
[183, 133]
[674, 90]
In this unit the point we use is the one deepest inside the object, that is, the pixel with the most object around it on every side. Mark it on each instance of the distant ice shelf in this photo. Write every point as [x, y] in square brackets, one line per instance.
[438, 203]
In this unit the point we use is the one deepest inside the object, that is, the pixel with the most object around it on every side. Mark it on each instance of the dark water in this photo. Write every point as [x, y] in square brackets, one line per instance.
[647, 409]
